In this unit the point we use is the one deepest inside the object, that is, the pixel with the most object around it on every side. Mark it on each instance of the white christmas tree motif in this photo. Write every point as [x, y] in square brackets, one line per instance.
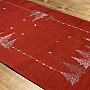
[5, 38]
[73, 78]
[84, 62]
[77, 69]
[9, 44]
[4, 41]
[1, 33]
[84, 54]
[39, 15]
[87, 39]
[87, 46]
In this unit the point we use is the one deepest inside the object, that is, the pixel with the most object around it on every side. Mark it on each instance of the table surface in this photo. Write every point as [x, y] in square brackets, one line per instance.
[10, 80]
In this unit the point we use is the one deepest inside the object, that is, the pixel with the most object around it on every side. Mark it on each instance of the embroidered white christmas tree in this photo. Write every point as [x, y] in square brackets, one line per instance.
[84, 54]
[9, 44]
[77, 69]
[5, 38]
[73, 78]
[4, 41]
[39, 15]
[84, 62]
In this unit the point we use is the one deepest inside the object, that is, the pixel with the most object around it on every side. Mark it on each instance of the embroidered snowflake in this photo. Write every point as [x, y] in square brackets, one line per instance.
[50, 52]
[4, 8]
[11, 27]
[24, 20]
[57, 41]
[22, 33]
[69, 36]
[35, 25]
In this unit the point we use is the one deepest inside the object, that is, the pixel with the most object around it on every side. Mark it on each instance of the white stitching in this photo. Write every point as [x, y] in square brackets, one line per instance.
[71, 26]
[34, 58]
[17, 6]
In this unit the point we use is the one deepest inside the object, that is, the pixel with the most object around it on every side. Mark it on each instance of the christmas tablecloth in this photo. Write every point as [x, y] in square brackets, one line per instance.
[48, 47]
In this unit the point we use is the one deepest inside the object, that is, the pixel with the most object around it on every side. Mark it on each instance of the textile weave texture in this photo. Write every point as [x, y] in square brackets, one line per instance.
[48, 47]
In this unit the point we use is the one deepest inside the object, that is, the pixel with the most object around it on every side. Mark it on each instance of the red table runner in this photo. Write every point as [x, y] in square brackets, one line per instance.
[48, 47]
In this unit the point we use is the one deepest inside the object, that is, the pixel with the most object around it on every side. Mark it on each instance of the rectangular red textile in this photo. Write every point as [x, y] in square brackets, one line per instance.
[48, 47]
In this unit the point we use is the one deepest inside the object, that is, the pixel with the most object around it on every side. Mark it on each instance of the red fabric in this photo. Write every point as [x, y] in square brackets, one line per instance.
[39, 40]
